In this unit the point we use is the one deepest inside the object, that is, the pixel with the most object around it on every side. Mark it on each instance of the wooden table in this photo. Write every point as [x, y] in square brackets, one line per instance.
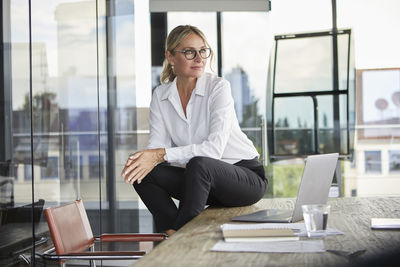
[191, 245]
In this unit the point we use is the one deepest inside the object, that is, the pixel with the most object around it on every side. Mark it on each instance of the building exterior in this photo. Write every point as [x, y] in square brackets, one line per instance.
[375, 168]
[240, 90]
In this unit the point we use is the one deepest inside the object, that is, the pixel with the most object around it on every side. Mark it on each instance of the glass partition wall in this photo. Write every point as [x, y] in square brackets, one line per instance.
[69, 115]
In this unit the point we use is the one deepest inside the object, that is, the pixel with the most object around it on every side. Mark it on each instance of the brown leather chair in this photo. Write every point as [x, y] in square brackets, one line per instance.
[72, 237]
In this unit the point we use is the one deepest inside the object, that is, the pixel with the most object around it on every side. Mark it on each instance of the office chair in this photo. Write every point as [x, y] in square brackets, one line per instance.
[72, 237]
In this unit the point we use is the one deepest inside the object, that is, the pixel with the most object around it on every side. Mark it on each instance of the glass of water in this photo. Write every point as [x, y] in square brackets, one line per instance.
[316, 219]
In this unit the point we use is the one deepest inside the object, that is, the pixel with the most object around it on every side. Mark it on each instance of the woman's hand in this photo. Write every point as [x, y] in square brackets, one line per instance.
[141, 163]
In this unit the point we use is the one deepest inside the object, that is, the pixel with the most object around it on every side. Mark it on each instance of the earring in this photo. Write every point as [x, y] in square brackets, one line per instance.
[173, 68]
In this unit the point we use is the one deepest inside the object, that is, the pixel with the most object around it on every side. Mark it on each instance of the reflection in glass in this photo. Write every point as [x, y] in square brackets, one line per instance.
[15, 148]
[96, 167]
[73, 167]
[50, 171]
[27, 172]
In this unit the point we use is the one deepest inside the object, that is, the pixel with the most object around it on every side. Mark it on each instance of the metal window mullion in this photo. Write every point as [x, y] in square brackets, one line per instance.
[348, 90]
[336, 111]
[111, 105]
[311, 93]
[219, 43]
[6, 113]
[273, 101]
[316, 138]
[308, 35]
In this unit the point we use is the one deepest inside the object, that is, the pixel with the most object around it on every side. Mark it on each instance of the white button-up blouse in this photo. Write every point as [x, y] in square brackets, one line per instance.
[210, 128]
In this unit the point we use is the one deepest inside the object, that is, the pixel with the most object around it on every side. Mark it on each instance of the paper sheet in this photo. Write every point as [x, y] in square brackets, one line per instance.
[306, 246]
[298, 228]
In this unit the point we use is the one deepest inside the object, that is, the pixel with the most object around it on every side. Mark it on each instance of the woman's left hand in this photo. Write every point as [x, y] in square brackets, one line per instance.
[141, 163]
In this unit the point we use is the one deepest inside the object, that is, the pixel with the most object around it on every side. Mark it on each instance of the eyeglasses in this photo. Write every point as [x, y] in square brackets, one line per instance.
[191, 53]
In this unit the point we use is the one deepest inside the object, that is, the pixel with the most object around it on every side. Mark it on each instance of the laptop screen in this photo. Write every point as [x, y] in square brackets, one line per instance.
[316, 181]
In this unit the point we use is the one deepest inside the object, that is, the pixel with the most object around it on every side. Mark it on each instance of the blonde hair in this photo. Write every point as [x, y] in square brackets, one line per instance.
[174, 38]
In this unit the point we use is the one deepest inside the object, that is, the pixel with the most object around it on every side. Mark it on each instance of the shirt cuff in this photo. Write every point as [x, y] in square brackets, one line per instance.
[180, 154]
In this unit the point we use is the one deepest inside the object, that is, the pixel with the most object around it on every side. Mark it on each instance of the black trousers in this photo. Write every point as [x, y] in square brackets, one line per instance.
[204, 181]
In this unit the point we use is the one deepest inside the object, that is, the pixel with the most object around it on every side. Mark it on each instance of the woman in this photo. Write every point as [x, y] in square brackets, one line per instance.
[193, 123]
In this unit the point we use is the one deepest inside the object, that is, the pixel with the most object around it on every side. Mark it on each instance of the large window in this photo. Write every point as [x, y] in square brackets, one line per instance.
[394, 161]
[50, 171]
[73, 167]
[311, 94]
[76, 82]
[373, 162]
[27, 172]
[94, 171]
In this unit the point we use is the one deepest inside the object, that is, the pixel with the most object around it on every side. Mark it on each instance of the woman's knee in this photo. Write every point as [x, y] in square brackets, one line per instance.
[149, 178]
[158, 176]
[199, 162]
[199, 168]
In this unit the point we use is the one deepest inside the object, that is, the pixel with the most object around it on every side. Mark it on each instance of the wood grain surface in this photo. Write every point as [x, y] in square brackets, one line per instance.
[191, 245]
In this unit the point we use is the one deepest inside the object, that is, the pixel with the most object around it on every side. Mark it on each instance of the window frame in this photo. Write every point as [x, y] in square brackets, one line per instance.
[335, 93]
[369, 172]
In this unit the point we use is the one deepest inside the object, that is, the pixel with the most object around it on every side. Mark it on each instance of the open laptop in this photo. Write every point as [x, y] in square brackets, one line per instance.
[314, 189]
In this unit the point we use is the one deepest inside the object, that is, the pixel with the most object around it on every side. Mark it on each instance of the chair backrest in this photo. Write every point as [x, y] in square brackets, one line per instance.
[69, 227]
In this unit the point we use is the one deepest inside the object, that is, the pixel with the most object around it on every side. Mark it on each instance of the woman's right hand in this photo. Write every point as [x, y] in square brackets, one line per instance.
[141, 163]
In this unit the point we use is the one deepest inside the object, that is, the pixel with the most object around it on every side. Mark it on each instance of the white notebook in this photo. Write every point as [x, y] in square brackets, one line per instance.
[258, 235]
[385, 223]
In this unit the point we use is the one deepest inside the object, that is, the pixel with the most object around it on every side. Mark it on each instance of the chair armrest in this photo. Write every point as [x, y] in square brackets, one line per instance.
[132, 237]
[95, 255]
[108, 253]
